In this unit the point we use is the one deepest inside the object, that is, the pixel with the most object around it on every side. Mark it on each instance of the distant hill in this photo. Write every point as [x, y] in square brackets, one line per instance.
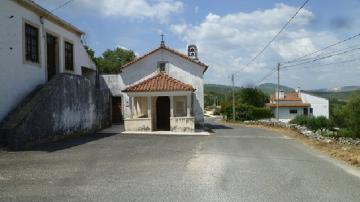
[334, 95]
[269, 88]
[218, 89]
[340, 93]
[337, 89]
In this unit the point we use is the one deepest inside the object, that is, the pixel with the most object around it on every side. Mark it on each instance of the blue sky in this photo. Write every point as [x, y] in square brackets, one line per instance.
[228, 33]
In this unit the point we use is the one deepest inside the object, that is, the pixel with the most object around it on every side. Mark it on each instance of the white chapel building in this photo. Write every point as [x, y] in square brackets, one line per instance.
[159, 91]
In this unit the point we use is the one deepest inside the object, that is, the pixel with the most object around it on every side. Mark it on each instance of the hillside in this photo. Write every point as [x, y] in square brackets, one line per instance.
[337, 89]
[218, 89]
[340, 93]
[334, 95]
[269, 88]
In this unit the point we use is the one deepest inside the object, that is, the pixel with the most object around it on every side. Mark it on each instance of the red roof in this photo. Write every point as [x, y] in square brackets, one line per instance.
[159, 82]
[293, 96]
[171, 51]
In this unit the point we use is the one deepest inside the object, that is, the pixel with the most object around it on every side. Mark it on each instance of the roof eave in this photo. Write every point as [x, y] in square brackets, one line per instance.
[42, 12]
[164, 48]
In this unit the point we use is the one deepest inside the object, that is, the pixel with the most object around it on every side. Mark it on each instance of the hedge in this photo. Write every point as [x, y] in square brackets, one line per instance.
[247, 112]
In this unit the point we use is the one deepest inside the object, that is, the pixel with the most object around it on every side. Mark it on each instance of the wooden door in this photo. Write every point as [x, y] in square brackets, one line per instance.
[163, 113]
[117, 110]
[51, 55]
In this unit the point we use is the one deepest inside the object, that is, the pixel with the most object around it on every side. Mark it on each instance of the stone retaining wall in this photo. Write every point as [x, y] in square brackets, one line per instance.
[67, 105]
[306, 132]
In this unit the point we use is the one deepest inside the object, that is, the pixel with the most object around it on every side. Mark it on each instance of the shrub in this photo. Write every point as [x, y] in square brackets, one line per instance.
[262, 113]
[352, 119]
[323, 123]
[246, 112]
[300, 120]
[217, 111]
[344, 132]
[313, 123]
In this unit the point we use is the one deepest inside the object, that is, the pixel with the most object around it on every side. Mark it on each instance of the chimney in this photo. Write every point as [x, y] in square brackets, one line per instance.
[281, 94]
[192, 52]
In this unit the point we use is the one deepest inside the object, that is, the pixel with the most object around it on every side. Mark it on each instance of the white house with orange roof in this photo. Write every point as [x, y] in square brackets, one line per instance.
[159, 91]
[292, 104]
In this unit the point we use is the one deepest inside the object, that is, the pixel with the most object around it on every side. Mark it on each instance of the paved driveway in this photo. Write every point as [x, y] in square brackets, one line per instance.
[233, 164]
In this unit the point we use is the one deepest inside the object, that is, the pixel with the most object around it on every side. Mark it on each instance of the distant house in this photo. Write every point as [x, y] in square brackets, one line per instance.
[35, 45]
[159, 91]
[292, 104]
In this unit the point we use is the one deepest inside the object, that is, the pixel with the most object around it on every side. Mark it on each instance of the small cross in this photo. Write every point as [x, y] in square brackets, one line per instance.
[162, 39]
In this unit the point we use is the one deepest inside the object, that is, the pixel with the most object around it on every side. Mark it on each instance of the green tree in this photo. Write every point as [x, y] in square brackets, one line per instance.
[252, 96]
[352, 118]
[112, 60]
[338, 115]
[91, 53]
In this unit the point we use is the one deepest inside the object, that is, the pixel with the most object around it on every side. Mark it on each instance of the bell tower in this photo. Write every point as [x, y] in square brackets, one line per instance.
[192, 52]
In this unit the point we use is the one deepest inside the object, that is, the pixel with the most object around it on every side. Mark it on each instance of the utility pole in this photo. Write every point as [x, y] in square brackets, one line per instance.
[233, 96]
[278, 92]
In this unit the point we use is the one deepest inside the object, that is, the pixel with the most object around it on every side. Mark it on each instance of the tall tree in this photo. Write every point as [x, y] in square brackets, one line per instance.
[352, 118]
[91, 53]
[112, 60]
[252, 96]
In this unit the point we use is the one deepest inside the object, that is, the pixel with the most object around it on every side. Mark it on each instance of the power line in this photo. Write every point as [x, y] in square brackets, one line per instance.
[327, 47]
[61, 6]
[321, 58]
[266, 76]
[333, 52]
[328, 64]
[273, 39]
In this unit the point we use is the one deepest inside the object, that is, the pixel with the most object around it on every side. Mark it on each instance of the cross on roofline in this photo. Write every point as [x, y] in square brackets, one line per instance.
[162, 39]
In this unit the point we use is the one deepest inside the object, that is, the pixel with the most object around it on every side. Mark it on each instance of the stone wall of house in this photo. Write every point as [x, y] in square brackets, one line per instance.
[19, 77]
[67, 105]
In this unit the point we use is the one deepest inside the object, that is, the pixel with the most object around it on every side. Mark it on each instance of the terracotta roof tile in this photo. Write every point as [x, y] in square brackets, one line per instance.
[159, 82]
[168, 49]
[293, 96]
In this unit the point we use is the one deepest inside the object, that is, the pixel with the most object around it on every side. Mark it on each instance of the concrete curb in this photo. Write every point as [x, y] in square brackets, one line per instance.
[170, 133]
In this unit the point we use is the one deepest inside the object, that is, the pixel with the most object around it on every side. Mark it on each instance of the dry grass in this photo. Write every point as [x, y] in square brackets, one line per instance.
[347, 153]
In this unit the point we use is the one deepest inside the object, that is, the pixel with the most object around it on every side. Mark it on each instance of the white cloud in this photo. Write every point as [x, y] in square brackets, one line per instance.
[138, 9]
[228, 42]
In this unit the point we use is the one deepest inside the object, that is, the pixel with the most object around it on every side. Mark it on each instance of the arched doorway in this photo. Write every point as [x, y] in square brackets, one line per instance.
[163, 113]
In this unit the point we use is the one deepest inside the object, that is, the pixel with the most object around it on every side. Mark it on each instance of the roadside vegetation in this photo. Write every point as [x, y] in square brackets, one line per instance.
[249, 105]
[250, 102]
[344, 117]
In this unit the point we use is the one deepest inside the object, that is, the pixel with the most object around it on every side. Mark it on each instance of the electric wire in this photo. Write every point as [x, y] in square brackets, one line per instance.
[274, 38]
[321, 58]
[61, 6]
[320, 50]
[322, 65]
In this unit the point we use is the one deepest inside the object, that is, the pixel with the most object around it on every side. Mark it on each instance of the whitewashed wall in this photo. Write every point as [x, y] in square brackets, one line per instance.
[178, 68]
[320, 105]
[17, 78]
[284, 113]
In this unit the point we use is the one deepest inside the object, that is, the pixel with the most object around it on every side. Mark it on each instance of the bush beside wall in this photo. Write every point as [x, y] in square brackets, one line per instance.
[245, 112]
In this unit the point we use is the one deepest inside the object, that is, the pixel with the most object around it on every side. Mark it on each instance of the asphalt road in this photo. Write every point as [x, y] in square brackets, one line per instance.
[233, 164]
